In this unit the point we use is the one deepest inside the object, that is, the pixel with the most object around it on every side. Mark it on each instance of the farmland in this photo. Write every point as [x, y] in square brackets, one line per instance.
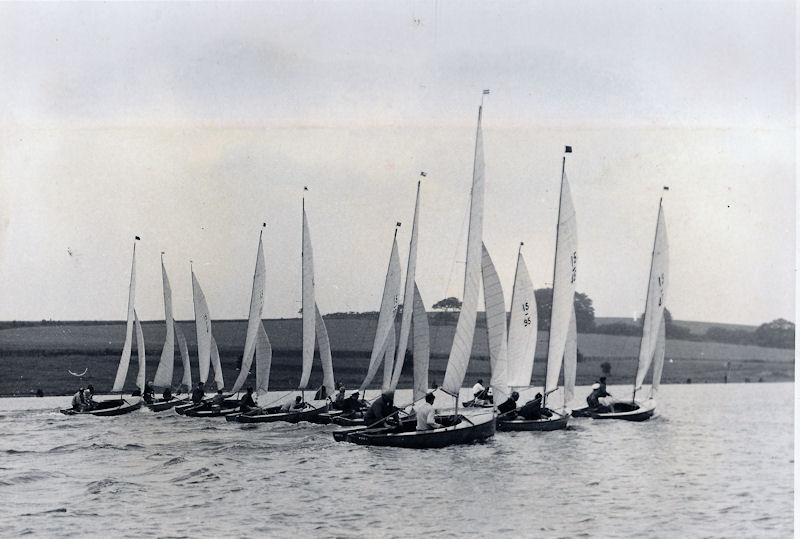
[39, 356]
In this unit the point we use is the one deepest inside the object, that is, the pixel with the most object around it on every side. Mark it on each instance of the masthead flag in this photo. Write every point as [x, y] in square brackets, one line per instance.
[305, 188]
[567, 149]
[486, 92]
[137, 237]
[398, 223]
[666, 188]
[423, 173]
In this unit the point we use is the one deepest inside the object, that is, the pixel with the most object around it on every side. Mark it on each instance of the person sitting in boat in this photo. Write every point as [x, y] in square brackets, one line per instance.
[88, 397]
[338, 402]
[478, 391]
[149, 393]
[167, 395]
[78, 401]
[381, 410]
[598, 391]
[247, 403]
[426, 417]
[216, 400]
[199, 393]
[290, 406]
[510, 405]
[489, 395]
[351, 405]
[533, 409]
[321, 394]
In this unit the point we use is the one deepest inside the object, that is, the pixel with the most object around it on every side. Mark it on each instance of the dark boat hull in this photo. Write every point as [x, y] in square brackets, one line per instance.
[109, 407]
[162, 405]
[206, 409]
[627, 411]
[466, 431]
[556, 422]
[272, 415]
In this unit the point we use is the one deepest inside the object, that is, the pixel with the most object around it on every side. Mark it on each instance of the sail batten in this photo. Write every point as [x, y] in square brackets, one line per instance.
[125, 359]
[654, 303]
[254, 318]
[495, 327]
[564, 277]
[386, 316]
[166, 364]
[522, 329]
[421, 344]
[465, 328]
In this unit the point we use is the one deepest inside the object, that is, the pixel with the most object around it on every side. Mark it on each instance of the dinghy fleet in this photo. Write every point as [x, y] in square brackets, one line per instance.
[512, 340]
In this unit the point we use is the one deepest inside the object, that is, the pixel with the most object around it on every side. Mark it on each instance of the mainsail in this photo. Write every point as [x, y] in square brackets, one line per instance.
[570, 360]
[324, 345]
[391, 289]
[254, 318]
[187, 369]
[654, 304]
[202, 322]
[408, 295]
[308, 304]
[495, 327]
[163, 376]
[658, 359]
[140, 377]
[465, 328]
[124, 361]
[388, 359]
[564, 276]
[522, 328]
[421, 346]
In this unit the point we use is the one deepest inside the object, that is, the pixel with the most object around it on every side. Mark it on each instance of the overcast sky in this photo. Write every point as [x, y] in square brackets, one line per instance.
[191, 124]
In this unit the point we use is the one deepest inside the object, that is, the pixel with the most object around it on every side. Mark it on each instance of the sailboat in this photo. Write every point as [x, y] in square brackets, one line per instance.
[457, 429]
[562, 314]
[164, 372]
[652, 345]
[207, 357]
[314, 330]
[123, 405]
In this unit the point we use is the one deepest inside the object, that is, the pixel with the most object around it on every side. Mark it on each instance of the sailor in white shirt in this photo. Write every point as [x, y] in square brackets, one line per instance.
[426, 417]
[478, 389]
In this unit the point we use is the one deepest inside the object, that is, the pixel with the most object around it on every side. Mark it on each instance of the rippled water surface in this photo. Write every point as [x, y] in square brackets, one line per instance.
[716, 461]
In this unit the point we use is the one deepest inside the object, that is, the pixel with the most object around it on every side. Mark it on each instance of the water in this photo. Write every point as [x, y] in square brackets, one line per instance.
[717, 461]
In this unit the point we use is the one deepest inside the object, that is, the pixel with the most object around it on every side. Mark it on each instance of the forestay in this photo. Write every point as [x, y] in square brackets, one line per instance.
[495, 327]
[465, 328]
[163, 377]
[125, 359]
[523, 328]
[654, 304]
[564, 276]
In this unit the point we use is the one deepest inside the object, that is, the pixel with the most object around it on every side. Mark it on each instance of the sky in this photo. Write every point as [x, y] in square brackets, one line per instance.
[191, 124]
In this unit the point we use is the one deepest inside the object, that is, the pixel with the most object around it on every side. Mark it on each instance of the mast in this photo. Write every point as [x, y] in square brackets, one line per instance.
[647, 297]
[553, 290]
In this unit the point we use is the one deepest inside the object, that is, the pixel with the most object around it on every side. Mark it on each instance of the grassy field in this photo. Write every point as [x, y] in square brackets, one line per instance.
[38, 357]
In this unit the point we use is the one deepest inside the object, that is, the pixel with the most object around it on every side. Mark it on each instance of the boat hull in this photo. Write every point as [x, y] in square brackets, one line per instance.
[556, 422]
[311, 415]
[162, 405]
[468, 430]
[627, 411]
[109, 407]
[206, 409]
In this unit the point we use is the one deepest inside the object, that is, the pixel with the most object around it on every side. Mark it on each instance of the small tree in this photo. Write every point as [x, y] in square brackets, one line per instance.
[448, 304]
[606, 366]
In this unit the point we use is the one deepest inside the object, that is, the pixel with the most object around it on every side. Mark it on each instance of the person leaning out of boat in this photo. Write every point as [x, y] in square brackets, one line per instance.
[507, 408]
[426, 417]
[148, 395]
[247, 403]
[199, 393]
[380, 412]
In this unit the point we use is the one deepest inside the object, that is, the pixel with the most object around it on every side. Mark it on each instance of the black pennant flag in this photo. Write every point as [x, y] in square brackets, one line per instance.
[567, 149]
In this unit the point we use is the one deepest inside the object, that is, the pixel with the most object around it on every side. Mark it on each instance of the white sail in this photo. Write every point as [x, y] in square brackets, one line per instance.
[495, 327]
[388, 359]
[421, 346]
[216, 364]
[308, 304]
[140, 377]
[408, 296]
[465, 328]
[571, 360]
[658, 359]
[654, 304]
[202, 323]
[263, 363]
[184, 349]
[253, 319]
[163, 377]
[564, 276]
[324, 345]
[125, 359]
[391, 290]
[522, 328]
